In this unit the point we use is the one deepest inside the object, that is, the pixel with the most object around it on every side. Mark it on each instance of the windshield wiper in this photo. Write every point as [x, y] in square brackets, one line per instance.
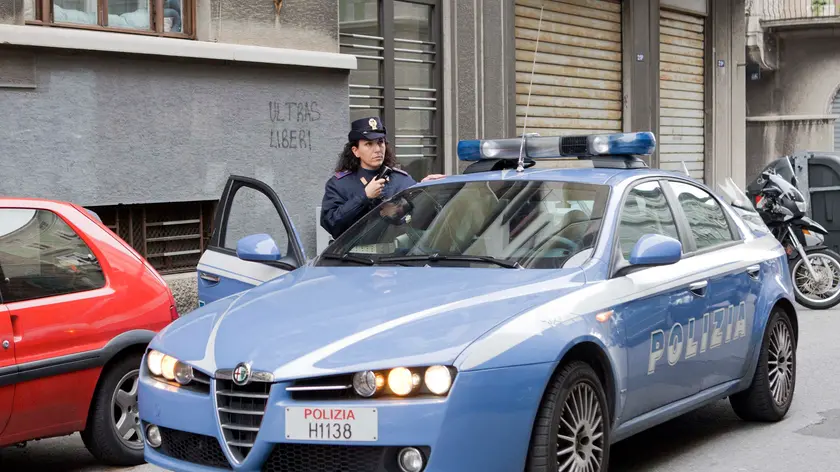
[436, 257]
[349, 258]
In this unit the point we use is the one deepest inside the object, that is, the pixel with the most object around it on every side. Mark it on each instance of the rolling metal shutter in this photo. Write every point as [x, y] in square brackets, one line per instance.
[681, 92]
[577, 84]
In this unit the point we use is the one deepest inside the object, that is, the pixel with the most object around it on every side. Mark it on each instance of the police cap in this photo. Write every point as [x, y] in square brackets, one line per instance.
[369, 128]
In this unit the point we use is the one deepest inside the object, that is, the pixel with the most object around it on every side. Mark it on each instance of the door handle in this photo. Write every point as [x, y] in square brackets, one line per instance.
[6, 344]
[754, 271]
[209, 277]
[699, 288]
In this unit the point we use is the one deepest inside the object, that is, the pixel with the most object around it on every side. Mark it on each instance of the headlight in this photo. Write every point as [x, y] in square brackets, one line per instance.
[154, 360]
[183, 373]
[403, 381]
[438, 379]
[162, 365]
[168, 367]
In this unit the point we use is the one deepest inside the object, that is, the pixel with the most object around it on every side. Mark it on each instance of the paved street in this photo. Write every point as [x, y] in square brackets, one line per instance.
[710, 439]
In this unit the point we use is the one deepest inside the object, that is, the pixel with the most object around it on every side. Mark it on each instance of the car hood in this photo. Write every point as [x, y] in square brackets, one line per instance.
[325, 320]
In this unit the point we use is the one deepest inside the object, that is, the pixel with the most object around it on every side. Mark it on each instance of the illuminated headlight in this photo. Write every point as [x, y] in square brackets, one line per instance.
[401, 381]
[162, 365]
[154, 361]
[438, 379]
[168, 367]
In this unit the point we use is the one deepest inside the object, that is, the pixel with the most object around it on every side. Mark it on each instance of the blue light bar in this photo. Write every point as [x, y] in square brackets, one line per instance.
[554, 147]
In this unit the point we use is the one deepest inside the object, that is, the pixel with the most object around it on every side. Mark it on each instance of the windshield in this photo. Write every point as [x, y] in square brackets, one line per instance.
[740, 203]
[532, 224]
[781, 174]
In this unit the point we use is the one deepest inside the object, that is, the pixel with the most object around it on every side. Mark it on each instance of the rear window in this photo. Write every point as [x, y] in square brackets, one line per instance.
[41, 256]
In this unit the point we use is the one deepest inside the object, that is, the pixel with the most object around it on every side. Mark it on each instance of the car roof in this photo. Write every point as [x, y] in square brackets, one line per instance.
[26, 201]
[586, 175]
[57, 206]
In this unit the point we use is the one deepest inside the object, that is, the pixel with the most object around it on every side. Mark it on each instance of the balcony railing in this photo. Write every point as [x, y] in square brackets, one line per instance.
[780, 10]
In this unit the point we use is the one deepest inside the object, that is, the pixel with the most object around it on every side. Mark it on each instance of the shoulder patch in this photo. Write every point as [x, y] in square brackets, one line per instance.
[344, 173]
[400, 171]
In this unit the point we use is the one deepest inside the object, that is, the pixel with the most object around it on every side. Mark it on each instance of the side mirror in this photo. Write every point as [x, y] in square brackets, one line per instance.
[654, 250]
[258, 248]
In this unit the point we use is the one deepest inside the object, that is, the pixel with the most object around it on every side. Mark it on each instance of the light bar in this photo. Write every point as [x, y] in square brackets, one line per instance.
[554, 147]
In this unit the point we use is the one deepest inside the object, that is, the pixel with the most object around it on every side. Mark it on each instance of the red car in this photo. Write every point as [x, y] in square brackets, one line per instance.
[77, 308]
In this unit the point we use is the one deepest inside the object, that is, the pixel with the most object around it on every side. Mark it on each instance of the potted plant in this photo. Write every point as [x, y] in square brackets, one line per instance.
[818, 7]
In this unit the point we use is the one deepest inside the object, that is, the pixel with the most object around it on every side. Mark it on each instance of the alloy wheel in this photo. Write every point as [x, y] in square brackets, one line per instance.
[580, 436]
[125, 415]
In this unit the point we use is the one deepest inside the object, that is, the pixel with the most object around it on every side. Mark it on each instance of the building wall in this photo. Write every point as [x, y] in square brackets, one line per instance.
[105, 130]
[789, 109]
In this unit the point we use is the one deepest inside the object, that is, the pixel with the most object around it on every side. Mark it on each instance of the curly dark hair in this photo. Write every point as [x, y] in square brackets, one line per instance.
[348, 161]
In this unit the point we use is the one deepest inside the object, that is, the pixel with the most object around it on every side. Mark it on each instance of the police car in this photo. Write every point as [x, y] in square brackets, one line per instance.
[509, 318]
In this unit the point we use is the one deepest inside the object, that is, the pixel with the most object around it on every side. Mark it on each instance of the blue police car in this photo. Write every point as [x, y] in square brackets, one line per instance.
[510, 318]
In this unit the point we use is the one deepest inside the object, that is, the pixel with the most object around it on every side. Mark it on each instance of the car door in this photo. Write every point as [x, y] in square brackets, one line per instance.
[731, 286]
[247, 207]
[8, 368]
[56, 292]
[660, 367]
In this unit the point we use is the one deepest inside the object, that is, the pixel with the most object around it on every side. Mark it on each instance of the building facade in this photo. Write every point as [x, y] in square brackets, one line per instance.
[792, 86]
[140, 109]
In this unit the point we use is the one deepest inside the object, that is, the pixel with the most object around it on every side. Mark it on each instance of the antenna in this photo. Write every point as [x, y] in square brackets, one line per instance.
[685, 169]
[521, 165]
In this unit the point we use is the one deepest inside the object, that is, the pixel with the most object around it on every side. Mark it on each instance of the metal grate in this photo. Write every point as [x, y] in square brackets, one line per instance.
[241, 410]
[171, 236]
[195, 448]
[323, 458]
[574, 145]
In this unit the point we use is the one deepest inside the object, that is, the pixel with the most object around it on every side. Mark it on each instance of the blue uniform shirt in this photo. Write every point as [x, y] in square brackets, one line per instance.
[345, 200]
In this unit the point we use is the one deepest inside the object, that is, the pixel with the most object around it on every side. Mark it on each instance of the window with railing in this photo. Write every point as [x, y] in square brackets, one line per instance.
[397, 46]
[174, 18]
[171, 236]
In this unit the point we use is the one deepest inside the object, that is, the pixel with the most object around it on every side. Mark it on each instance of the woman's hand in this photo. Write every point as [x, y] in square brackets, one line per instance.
[374, 188]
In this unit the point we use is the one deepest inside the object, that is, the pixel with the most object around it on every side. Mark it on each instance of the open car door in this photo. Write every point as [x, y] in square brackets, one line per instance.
[253, 241]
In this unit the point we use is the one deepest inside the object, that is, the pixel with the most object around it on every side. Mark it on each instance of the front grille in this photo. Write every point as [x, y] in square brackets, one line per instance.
[323, 458]
[574, 145]
[241, 410]
[195, 448]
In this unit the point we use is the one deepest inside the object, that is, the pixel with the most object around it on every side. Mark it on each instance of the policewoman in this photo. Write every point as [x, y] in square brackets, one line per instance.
[355, 189]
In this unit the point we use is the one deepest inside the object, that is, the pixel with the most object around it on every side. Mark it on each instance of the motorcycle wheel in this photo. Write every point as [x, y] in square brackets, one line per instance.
[815, 295]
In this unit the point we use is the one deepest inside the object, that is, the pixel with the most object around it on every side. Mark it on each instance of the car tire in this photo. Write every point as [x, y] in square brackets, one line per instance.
[100, 436]
[763, 400]
[553, 432]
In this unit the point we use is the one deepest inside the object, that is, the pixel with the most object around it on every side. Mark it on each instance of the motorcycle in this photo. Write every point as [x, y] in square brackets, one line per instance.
[782, 209]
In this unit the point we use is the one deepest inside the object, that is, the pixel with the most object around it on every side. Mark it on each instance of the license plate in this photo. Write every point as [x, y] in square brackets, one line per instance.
[332, 424]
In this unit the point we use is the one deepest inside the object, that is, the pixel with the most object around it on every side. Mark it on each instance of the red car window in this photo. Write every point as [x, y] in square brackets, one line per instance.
[41, 256]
